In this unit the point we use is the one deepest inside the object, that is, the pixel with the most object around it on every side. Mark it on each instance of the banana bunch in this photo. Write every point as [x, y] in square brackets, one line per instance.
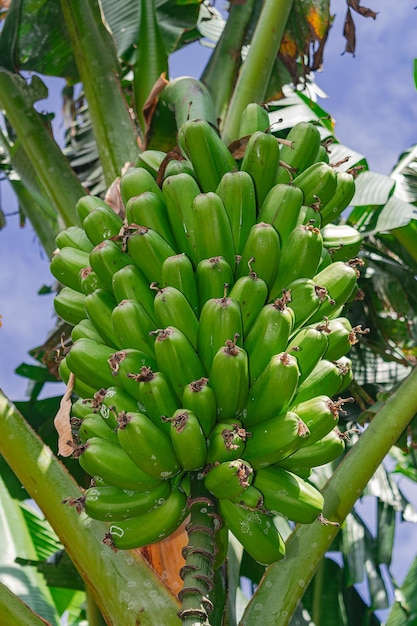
[208, 334]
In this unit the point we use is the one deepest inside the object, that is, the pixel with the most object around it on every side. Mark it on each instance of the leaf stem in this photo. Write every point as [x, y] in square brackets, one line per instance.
[256, 71]
[14, 612]
[285, 582]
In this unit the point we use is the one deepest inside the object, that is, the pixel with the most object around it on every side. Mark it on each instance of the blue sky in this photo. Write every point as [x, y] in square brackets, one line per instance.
[373, 100]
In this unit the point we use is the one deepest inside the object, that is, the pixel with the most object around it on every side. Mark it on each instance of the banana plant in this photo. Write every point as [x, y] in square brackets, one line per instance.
[120, 52]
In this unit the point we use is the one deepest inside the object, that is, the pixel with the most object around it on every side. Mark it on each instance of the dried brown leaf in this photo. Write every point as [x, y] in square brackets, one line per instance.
[62, 421]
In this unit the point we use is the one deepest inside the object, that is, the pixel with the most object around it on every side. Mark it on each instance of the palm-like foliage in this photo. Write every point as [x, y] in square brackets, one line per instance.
[384, 211]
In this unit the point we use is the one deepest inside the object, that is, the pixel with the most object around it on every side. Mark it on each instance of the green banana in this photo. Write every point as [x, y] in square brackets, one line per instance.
[268, 336]
[309, 215]
[211, 277]
[251, 498]
[255, 530]
[157, 397]
[74, 237]
[172, 308]
[210, 157]
[86, 329]
[228, 479]
[105, 259]
[213, 233]
[308, 346]
[81, 407]
[179, 192]
[328, 378]
[263, 251]
[188, 440]
[179, 166]
[320, 452]
[220, 320]
[281, 208]
[178, 271]
[87, 204]
[152, 526]
[320, 414]
[111, 504]
[137, 180]
[341, 198]
[80, 388]
[66, 265]
[102, 223]
[251, 293]
[87, 360]
[341, 337]
[107, 460]
[126, 365]
[254, 118]
[300, 257]
[177, 358]
[287, 494]
[340, 280]
[304, 298]
[273, 440]
[303, 141]
[237, 192]
[317, 182]
[69, 305]
[226, 442]
[273, 390]
[94, 426]
[99, 306]
[147, 446]
[229, 379]
[150, 160]
[261, 160]
[149, 249]
[112, 401]
[89, 280]
[199, 398]
[342, 241]
[133, 327]
[130, 283]
[149, 210]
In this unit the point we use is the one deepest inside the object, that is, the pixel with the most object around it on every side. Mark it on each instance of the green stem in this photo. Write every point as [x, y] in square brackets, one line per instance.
[125, 589]
[52, 169]
[14, 612]
[97, 65]
[94, 616]
[199, 553]
[256, 71]
[220, 73]
[285, 582]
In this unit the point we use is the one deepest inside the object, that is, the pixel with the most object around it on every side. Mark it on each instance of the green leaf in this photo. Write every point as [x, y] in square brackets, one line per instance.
[36, 373]
[404, 611]
[395, 213]
[372, 189]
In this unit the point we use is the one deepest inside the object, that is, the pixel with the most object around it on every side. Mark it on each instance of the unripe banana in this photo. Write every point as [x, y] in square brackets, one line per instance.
[150, 160]
[137, 180]
[112, 401]
[273, 390]
[188, 440]
[69, 305]
[226, 442]
[85, 329]
[105, 259]
[251, 293]
[89, 280]
[300, 151]
[304, 297]
[178, 272]
[80, 388]
[255, 531]
[275, 439]
[126, 365]
[308, 345]
[317, 182]
[173, 309]
[99, 306]
[148, 249]
[340, 280]
[209, 156]
[320, 452]
[229, 379]
[111, 504]
[212, 275]
[251, 498]
[254, 118]
[228, 479]
[213, 233]
[132, 326]
[88, 361]
[341, 337]
[66, 265]
[94, 426]
[220, 319]
[268, 335]
[156, 396]
[177, 358]
[342, 241]
[110, 462]
[74, 237]
[343, 194]
[151, 527]
[327, 378]
[179, 192]
[147, 446]
[86, 204]
[263, 251]
[102, 223]
[130, 283]
[281, 208]
[237, 192]
[199, 398]
[289, 495]
[320, 414]
[149, 210]
[261, 160]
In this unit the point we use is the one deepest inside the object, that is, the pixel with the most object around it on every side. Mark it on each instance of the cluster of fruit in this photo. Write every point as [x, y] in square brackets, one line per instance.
[208, 333]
